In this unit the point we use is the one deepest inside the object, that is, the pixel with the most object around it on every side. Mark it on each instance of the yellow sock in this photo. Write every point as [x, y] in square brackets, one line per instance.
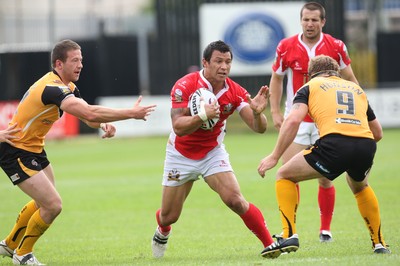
[369, 209]
[35, 229]
[18, 231]
[287, 196]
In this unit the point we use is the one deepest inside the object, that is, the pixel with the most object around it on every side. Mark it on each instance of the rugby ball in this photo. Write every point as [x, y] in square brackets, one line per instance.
[194, 102]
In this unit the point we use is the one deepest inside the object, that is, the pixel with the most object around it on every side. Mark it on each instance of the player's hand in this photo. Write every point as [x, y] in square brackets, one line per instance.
[211, 110]
[109, 130]
[7, 135]
[260, 101]
[142, 112]
[277, 118]
[267, 163]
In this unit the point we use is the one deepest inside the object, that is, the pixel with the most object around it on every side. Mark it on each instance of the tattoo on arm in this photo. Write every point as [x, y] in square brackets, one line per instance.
[296, 106]
[179, 112]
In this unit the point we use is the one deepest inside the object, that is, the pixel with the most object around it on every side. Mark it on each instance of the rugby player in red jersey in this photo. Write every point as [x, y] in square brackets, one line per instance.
[193, 152]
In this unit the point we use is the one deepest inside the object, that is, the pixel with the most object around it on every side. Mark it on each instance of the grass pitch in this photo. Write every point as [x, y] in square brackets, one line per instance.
[112, 188]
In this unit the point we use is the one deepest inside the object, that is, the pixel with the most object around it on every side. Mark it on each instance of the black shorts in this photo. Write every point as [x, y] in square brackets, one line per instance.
[19, 164]
[335, 154]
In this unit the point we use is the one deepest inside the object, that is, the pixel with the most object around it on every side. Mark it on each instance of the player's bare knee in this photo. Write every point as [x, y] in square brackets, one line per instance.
[236, 203]
[357, 187]
[325, 182]
[54, 208]
[280, 174]
[168, 218]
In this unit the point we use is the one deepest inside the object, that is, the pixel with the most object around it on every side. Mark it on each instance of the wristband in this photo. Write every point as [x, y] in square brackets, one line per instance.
[202, 112]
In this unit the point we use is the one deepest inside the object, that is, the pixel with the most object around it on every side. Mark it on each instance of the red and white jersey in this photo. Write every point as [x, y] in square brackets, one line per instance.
[293, 55]
[232, 97]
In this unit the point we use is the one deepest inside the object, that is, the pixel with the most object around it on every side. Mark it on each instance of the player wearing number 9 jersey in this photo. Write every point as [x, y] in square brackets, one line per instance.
[292, 57]
[346, 116]
[349, 131]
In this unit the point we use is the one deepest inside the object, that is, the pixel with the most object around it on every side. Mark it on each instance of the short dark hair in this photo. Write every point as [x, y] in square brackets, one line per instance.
[314, 6]
[60, 50]
[217, 45]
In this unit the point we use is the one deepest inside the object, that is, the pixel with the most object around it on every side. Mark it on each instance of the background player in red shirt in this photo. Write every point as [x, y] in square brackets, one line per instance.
[192, 152]
[292, 57]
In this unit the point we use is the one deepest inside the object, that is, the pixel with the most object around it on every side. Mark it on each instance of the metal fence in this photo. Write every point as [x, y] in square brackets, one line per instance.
[176, 46]
[164, 45]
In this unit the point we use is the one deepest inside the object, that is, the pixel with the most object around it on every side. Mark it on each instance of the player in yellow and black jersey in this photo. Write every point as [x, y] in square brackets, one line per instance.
[39, 109]
[24, 160]
[348, 132]
[345, 115]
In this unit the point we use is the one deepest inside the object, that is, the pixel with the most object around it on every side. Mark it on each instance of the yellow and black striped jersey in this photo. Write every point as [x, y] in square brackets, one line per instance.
[337, 106]
[39, 109]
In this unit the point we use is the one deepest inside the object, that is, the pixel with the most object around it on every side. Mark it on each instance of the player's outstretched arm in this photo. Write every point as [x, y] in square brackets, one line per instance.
[286, 136]
[101, 114]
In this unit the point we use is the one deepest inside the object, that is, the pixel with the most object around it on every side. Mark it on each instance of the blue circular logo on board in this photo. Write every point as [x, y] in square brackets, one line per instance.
[254, 37]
